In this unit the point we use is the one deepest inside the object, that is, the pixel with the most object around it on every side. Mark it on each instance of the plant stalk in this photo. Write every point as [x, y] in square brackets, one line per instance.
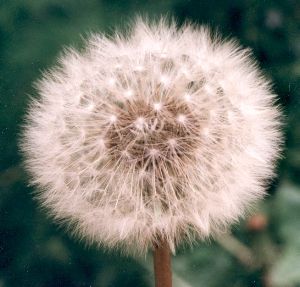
[162, 265]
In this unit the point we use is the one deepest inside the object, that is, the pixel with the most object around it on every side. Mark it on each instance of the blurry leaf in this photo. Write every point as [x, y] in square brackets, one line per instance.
[237, 249]
[199, 266]
[287, 205]
[285, 272]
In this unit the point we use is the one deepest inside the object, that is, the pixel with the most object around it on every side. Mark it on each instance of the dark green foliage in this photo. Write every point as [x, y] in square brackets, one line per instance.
[35, 252]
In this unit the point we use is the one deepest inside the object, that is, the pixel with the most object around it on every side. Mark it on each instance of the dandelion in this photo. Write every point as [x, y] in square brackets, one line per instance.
[158, 137]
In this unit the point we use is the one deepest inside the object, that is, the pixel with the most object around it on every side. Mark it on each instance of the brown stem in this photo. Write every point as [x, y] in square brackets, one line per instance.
[162, 265]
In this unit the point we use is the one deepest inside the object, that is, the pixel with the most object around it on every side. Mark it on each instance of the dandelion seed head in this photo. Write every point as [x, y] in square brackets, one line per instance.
[164, 133]
[187, 97]
[181, 118]
[111, 81]
[112, 118]
[165, 80]
[172, 142]
[139, 68]
[128, 93]
[157, 106]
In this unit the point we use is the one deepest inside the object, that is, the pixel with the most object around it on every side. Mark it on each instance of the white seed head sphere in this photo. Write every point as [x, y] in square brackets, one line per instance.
[163, 133]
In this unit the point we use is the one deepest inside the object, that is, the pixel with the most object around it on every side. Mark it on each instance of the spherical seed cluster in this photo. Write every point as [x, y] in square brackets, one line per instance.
[163, 133]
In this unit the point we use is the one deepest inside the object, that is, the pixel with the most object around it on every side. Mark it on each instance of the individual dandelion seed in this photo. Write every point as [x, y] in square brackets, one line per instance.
[161, 136]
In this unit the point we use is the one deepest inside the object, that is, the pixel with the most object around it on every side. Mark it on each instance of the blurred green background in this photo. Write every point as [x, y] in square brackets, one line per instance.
[263, 250]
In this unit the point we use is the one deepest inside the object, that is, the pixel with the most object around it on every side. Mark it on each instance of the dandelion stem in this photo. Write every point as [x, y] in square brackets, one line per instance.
[162, 265]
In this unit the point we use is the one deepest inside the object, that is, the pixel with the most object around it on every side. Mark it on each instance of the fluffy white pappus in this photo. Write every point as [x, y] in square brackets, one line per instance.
[163, 133]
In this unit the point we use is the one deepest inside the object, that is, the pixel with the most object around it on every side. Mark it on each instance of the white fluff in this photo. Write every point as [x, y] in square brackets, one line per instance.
[163, 133]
